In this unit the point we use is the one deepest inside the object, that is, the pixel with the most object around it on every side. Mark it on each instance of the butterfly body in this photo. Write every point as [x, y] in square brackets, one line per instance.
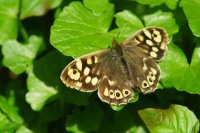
[115, 72]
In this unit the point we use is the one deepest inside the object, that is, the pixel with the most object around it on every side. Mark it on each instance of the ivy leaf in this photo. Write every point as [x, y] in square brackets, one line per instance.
[162, 19]
[176, 118]
[78, 31]
[191, 10]
[37, 7]
[9, 21]
[18, 57]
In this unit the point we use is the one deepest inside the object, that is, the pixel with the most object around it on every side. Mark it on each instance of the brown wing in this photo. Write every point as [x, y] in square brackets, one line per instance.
[143, 71]
[83, 73]
[115, 87]
[102, 71]
[153, 41]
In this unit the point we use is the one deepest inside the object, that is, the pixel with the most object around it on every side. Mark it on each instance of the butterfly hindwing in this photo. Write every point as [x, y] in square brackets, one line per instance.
[111, 92]
[152, 40]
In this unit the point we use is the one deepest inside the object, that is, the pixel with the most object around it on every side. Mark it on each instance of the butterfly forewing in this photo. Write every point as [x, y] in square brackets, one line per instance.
[83, 73]
[152, 40]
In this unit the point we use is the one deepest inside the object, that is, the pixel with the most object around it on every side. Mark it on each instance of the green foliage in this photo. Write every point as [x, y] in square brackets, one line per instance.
[176, 118]
[39, 38]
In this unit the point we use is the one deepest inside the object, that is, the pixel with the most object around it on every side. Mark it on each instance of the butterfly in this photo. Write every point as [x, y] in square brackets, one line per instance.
[116, 72]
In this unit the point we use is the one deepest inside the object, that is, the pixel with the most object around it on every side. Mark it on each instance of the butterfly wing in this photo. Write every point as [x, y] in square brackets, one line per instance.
[141, 50]
[102, 71]
[115, 87]
[153, 41]
[83, 73]
[114, 75]
[143, 71]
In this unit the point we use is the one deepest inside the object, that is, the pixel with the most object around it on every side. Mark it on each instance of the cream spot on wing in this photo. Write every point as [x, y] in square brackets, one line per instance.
[157, 38]
[155, 49]
[147, 33]
[70, 71]
[94, 80]
[141, 38]
[79, 65]
[86, 71]
[78, 84]
[145, 84]
[145, 66]
[89, 61]
[106, 93]
[73, 74]
[88, 79]
[154, 71]
[118, 94]
[135, 40]
[98, 72]
[153, 54]
[149, 42]
[151, 74]
[150, 80]
[111, 93]
[76, 76]
[111, 83]
[95, 59]
[156, 32]
[126, 92]
[163, 46]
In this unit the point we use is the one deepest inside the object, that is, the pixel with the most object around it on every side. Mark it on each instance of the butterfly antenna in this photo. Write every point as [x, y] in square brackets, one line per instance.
[118, 35]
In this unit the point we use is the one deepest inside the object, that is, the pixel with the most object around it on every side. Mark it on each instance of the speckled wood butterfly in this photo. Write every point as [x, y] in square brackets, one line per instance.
[115, 72]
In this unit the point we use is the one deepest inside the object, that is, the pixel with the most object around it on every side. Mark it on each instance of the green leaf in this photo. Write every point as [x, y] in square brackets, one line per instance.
[37, 7]
[169, 73]
[43, 80]
[6, 125]
[191, 10]
[23, 129]
[162, 19]
[188, 75]
[8, 19]
[176, 118]
[97, 6]
[150, 2]
[128, 23]
[172, 4]
[190, 80]
[78, 31]
[18, 57]
[15, 94]
[10, 119]
[10, 111]
[85, 121]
